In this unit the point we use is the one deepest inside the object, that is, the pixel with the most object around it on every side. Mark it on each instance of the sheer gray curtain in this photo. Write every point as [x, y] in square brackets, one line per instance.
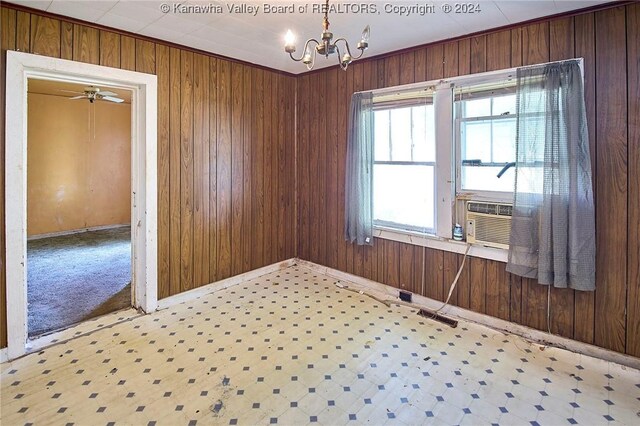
[553, 222]
[358, 215]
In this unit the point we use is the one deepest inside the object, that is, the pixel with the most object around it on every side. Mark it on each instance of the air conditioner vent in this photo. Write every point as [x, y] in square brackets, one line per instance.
[505, 210]
[485, 208]
[489, 223]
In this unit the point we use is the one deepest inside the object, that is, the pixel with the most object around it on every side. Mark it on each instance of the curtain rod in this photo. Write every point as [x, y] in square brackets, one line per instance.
[465, 79]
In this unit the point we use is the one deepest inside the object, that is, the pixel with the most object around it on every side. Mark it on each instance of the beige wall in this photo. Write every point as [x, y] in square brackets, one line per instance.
[78, 164]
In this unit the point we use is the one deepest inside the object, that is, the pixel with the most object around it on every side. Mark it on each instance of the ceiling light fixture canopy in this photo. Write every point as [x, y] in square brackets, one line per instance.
[327, 46]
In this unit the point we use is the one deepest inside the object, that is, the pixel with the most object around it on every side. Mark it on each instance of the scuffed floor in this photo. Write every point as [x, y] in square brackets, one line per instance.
[292, 348]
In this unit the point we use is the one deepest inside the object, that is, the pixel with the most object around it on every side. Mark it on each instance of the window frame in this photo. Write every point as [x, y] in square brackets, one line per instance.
[388, 107]
[449, 207]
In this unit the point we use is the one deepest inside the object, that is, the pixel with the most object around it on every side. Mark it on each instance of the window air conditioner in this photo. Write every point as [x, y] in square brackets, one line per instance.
[488, 224]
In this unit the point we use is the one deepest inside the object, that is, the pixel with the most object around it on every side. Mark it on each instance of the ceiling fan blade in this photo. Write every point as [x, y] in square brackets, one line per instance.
[107, 93]
[112, 99]
[79, 97]
[70, 91]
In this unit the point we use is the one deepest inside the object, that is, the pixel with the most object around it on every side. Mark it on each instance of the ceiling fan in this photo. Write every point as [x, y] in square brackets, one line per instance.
[95, 94]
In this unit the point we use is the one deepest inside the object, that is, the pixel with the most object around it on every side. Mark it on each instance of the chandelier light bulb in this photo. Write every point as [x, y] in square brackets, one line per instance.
[366, 33]
[289, 42]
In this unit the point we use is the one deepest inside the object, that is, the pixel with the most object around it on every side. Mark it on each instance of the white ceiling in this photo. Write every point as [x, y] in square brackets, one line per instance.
[259, 39]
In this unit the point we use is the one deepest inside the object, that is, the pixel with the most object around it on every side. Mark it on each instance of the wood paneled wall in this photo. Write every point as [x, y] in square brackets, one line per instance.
[609, 41]
[226, 150]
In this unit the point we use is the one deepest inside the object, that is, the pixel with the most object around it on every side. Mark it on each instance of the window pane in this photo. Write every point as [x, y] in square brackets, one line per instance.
[424, 133]
[477, 108]
[504, 140]
[486, 179]
[404, 195]
[401, 134]
[504, 104]
[476, 140]
[381, 135]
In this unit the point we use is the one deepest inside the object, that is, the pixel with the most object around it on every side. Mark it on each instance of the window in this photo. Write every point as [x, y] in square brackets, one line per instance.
[485, 123]
[404, 165]
[439, 144]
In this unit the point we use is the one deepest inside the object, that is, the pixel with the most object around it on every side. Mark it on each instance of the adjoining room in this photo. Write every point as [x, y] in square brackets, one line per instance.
[78, 203]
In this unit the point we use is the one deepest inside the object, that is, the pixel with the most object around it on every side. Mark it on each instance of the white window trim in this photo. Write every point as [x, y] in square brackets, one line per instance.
[445, 244]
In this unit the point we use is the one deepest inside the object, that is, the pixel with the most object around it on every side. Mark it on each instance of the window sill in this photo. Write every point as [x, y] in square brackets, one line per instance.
[435, 242]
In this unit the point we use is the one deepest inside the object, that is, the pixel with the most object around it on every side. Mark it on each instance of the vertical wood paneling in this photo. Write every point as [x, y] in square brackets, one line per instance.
[45, 36]
[392, 263]
[66, 40]
[406, 267]
[332, 173]
[407, 67]
[342, 158]
[186, 170]
[633, 249]
[320, 169]
[200, 170]
[435, 62]
[464, 283]
[304, 193]
[449, 271]
[164, 183]
[611, 209]
[110, 50]
[257, 185]
[515, 298]
[213, 170]
[23, 32]
[224, 170]
[561, 37]
[275, 175]
[127, 53]
[237, 141]
[174, 170]
[247, 217]
[498, 50]
[584, 25]
[451, 59]
[477, 284]
[535, 49]
[146, 57]
[86, 44]
[478, 54]
[267, 171]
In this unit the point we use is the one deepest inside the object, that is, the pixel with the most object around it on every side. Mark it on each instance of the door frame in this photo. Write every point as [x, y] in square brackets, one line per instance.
[21, 67]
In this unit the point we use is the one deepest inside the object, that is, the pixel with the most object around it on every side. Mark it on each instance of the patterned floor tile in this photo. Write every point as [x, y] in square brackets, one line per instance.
[293, 348]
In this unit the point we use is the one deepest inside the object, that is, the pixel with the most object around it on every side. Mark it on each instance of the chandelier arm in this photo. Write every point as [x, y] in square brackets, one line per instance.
[311, 64]
[311, 40]
[346, 43]
[342, 65]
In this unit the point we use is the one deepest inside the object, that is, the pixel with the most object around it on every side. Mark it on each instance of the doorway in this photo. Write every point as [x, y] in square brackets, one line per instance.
[22, 67]
[78, 203]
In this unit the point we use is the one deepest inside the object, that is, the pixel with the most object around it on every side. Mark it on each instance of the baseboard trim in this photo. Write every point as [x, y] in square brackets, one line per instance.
[4, 357]
[76, 231]
[222, 284]
[387, 292]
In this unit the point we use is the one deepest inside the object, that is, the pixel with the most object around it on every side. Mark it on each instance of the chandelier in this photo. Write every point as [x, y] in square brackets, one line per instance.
[327, 46]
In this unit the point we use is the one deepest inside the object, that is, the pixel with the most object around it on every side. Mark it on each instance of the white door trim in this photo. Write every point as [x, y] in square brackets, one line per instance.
[20, 67]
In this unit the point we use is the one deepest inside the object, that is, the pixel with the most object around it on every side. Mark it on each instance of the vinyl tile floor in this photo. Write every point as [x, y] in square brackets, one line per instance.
[291, 347]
